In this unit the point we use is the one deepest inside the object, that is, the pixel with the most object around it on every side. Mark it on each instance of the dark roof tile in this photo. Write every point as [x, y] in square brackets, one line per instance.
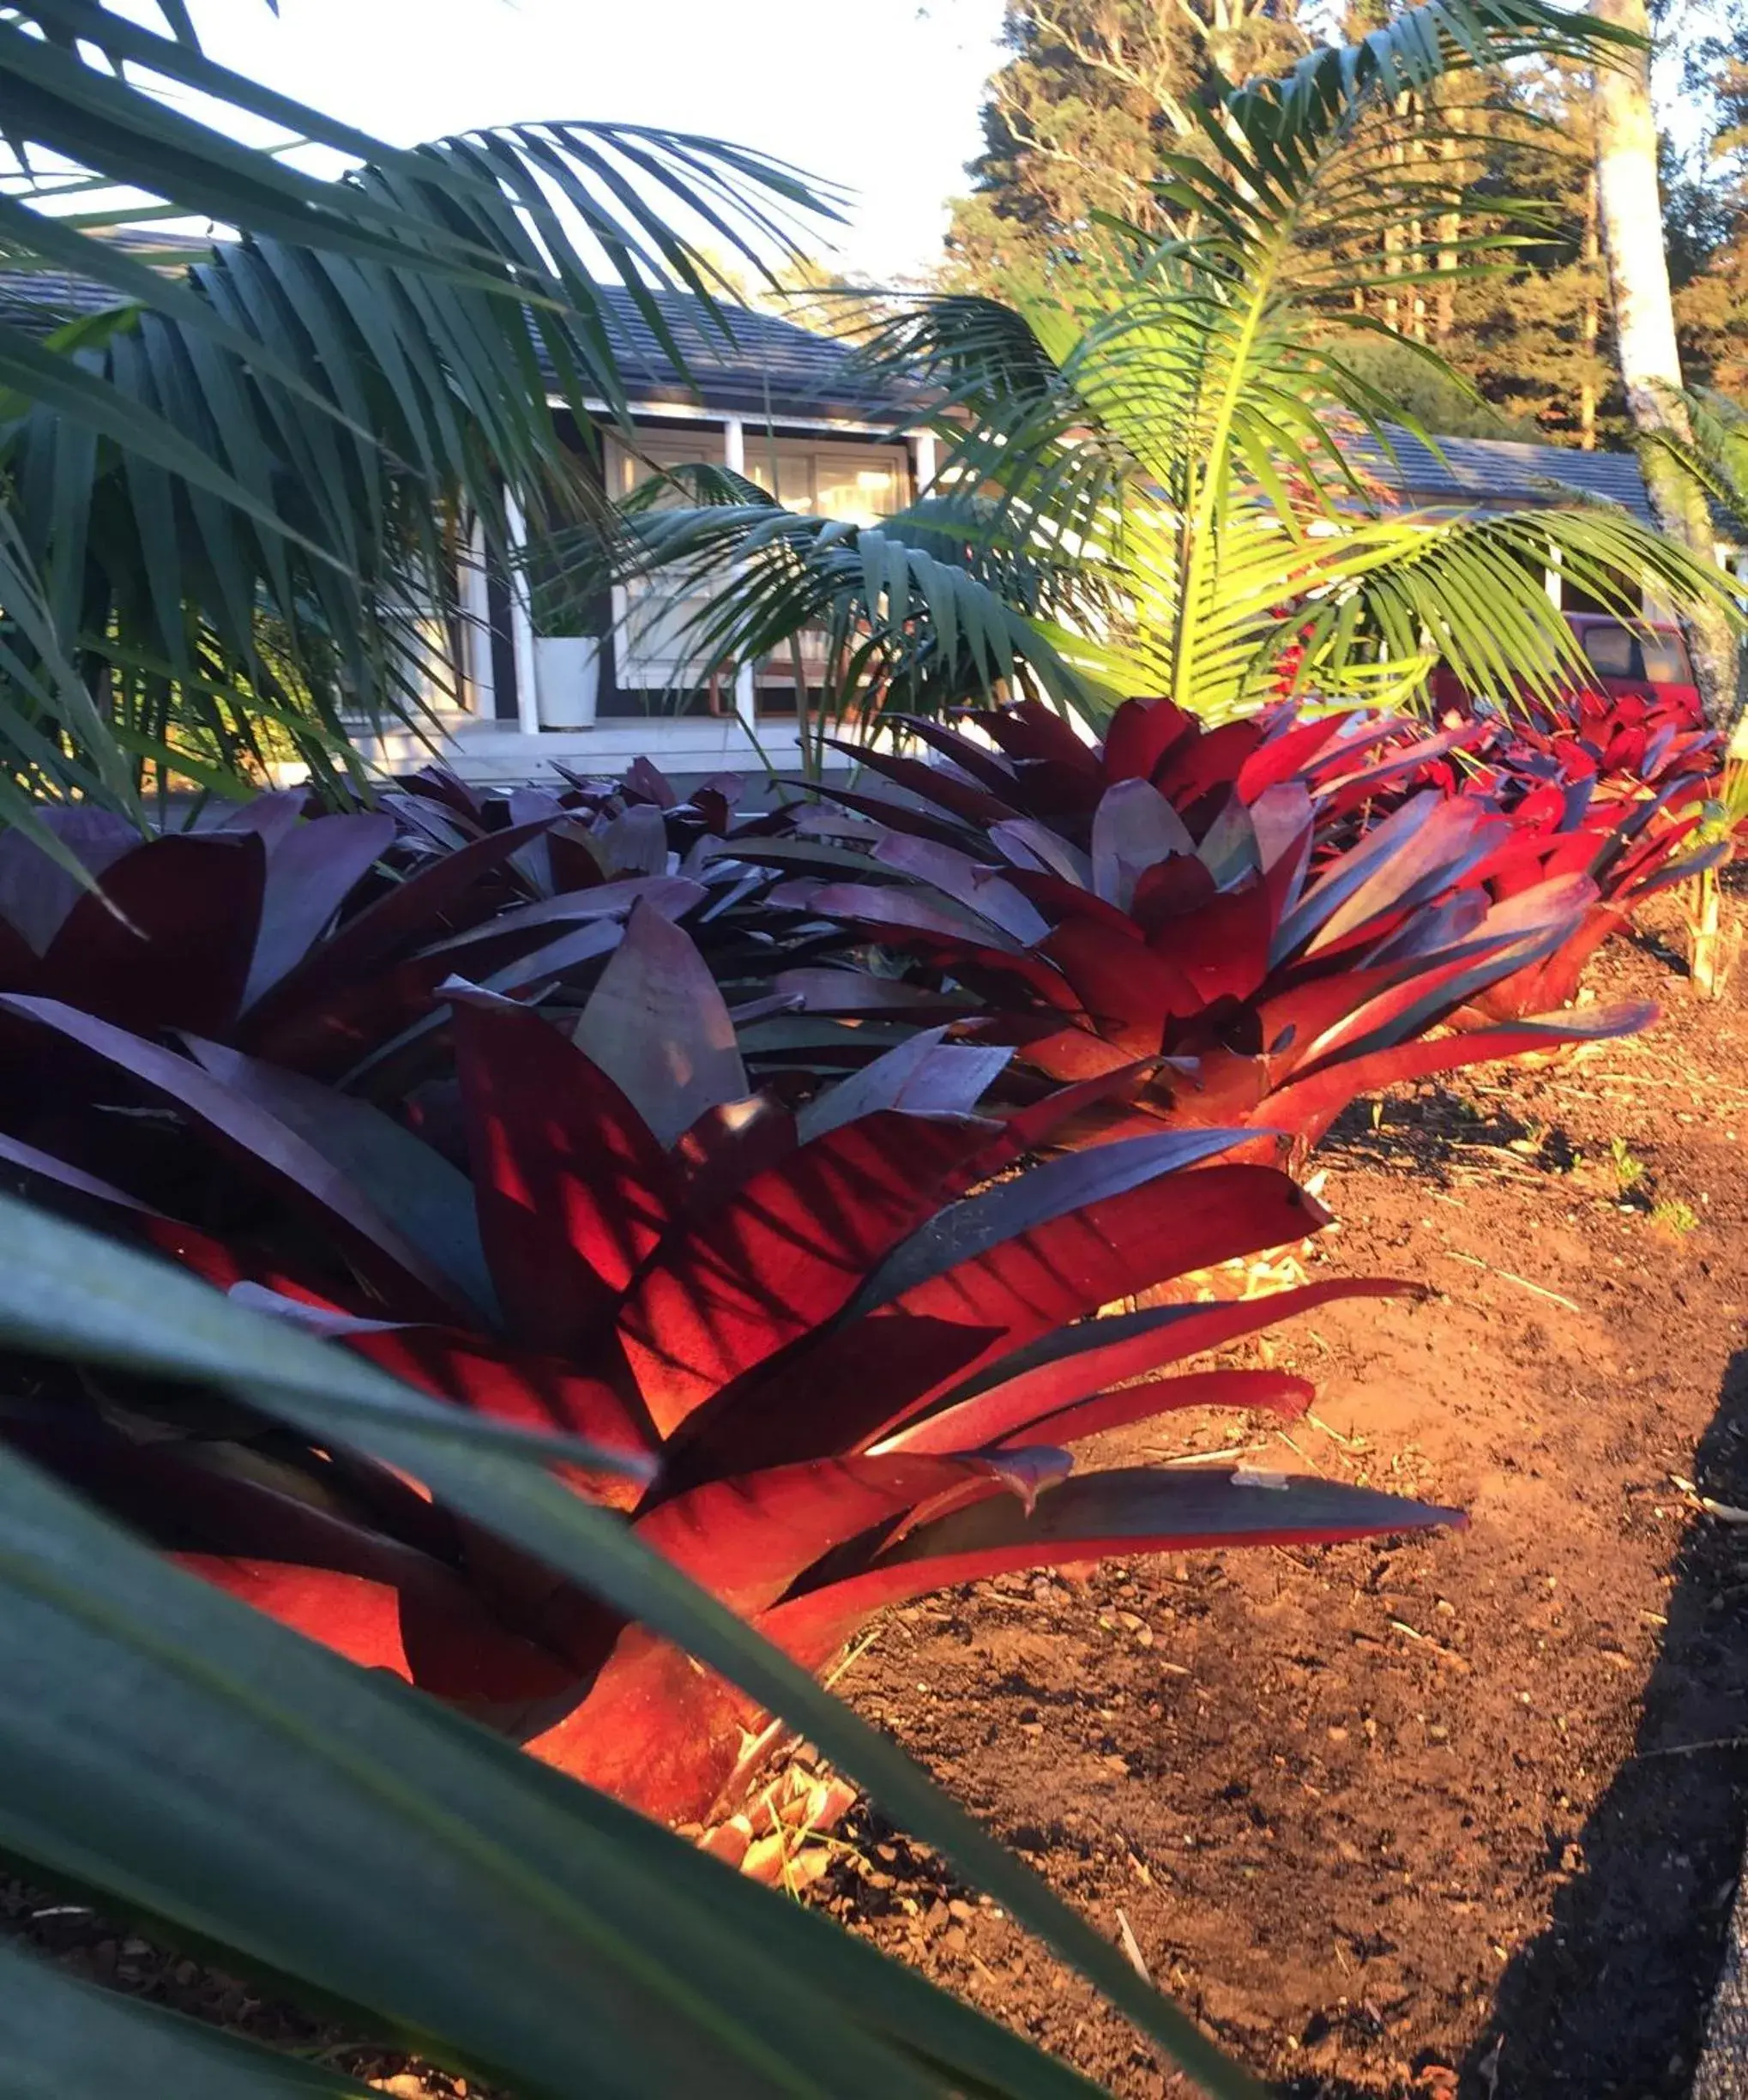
[1491, 470]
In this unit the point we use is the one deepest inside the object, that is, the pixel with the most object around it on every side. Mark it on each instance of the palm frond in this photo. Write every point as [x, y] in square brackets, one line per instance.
[1166, 438]
[254, 472]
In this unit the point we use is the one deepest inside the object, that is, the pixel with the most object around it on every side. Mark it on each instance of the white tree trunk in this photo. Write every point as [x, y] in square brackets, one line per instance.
[1630, 207]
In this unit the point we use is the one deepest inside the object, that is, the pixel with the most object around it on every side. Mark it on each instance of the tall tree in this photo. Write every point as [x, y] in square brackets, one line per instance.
[1151, 460]
[1631, 208]
[1077, 121]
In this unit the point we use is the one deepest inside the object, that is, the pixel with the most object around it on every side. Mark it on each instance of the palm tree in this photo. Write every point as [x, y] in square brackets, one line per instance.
[1155, 482]
[234, 498]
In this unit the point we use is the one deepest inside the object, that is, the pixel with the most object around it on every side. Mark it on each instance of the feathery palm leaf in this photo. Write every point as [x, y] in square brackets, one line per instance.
[1165, 440]
[247, 487]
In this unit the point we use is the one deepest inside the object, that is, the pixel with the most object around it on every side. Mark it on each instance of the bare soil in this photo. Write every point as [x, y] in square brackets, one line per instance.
[1462, 1816]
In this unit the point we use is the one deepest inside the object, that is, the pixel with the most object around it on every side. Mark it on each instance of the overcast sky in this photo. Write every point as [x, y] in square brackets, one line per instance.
[881, 95]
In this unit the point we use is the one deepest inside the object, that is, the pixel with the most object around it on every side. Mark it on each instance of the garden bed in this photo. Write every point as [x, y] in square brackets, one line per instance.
[1464, 1814]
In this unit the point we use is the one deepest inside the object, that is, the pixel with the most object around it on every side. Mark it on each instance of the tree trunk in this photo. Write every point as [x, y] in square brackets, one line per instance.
[1631, 208]
[1589, 326]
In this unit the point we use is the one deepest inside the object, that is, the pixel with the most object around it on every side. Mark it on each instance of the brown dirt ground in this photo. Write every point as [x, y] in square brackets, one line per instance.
[1462, 1815]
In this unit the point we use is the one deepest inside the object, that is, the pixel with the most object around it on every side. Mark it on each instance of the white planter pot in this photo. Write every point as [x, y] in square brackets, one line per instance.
[566, 674]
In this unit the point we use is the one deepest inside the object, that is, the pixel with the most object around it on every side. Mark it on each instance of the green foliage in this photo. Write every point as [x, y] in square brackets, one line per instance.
[1078, 121]
[1437, 400]
[236, 503]
[1148, 441]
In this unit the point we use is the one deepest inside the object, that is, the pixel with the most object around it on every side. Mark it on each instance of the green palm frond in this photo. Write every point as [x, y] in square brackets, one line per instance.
[1164, 438]
[246, 487]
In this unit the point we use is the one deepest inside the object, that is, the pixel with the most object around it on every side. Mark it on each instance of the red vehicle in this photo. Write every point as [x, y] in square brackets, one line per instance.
[1640, 660]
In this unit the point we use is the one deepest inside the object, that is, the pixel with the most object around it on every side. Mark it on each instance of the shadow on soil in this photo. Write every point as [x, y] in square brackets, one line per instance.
[1434, 1134]
[1609, 2002]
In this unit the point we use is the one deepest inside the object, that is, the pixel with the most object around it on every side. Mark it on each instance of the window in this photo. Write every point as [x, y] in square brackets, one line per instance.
[1611, 651]
[856, 484]
[1666, 659]
[1618, 652]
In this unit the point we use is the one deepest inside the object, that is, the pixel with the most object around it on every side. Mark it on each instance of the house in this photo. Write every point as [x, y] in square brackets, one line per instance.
[785, 406]
[792, 410]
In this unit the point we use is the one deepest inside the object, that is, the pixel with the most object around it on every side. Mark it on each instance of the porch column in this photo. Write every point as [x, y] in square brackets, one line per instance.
[476, 631]
[923, 457]
[522, 621]
[734, 459]
[1550, 579]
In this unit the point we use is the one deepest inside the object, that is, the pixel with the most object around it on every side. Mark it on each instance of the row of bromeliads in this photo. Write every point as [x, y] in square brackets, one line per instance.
[796, 1155]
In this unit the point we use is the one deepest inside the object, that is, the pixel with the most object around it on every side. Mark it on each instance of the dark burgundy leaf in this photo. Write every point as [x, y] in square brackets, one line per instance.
[573, 1189]
[1126, 1511]
[658, 1026]
[310, 875]
[783, 1255]
[167, 945]
[309, 1182]
[416, 1189]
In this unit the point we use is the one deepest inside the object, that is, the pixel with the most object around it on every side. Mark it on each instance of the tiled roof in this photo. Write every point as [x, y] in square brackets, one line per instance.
[773, 367]
[770, 367]
[39, 301]
[1491, 470]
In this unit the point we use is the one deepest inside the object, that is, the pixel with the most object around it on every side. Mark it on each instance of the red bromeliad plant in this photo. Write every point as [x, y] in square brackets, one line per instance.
[316, 941]
[849, 1360]
[1157, 906]
[1611, 788]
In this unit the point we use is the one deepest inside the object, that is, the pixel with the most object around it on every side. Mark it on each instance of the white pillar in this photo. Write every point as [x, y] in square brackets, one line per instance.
[521, 622]
[734, 459]
[1550, 579]
[922, 452]
[476, 624]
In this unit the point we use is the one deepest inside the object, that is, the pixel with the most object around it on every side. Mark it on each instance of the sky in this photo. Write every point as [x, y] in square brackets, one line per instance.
[880, 96]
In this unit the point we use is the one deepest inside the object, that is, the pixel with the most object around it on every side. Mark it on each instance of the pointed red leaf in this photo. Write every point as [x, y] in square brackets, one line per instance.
[1213, 761]
[1126, 1512]
[748, 1539]
[857, 1384]
[1023, 1390]
[932, 787]
[572, 1189]
[1141, 734]
[976, 760]
[1287, 752]
[1277, 1392]
[1038, 736]
[783, 1255]
[1128, 990]
[1306, 1108]
[526, 1390]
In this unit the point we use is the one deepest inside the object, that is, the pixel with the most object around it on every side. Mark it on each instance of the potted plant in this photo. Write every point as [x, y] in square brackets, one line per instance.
[567, 652]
